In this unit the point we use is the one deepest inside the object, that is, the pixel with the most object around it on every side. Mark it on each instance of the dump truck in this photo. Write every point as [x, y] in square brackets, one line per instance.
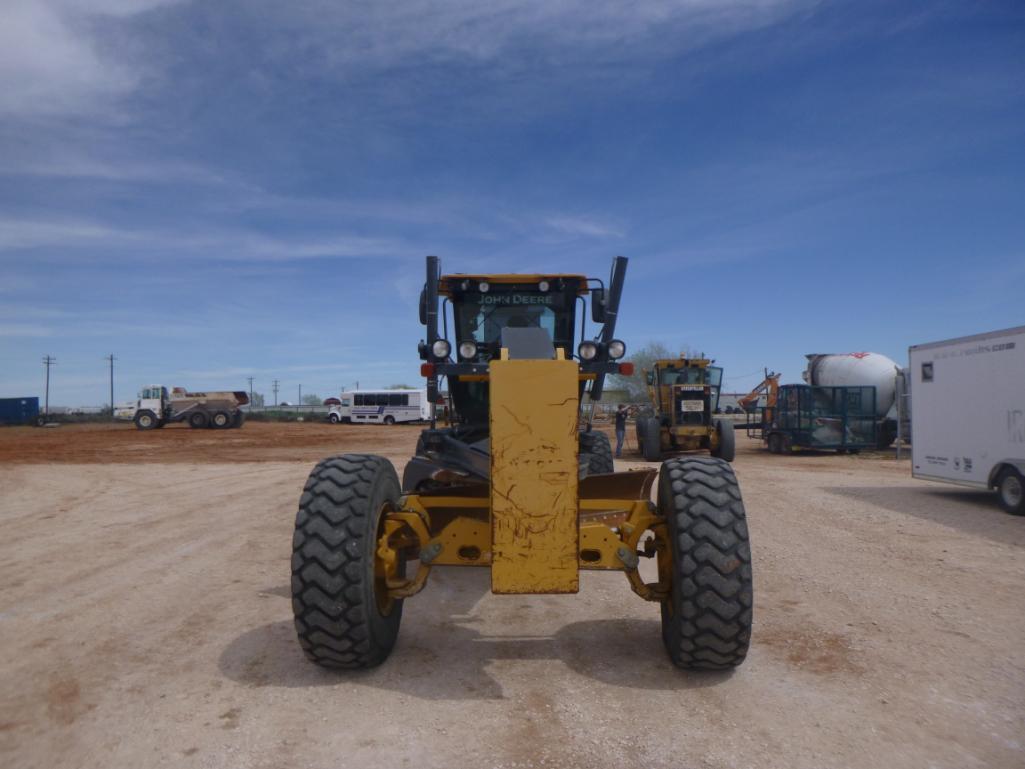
[684, 395]
[156, 407]
[516, 483]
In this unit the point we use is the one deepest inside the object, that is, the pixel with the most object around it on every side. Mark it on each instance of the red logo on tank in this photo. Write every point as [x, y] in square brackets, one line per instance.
[859, 355]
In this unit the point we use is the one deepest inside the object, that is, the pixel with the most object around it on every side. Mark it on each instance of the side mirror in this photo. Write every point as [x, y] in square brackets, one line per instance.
[598, 305]
[423, 307]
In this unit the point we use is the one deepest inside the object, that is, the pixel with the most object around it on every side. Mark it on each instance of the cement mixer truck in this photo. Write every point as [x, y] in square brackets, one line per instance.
[157, 407]
[863, 369]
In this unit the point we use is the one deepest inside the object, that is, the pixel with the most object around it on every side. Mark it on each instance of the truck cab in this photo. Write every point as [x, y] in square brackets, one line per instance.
[153, 403]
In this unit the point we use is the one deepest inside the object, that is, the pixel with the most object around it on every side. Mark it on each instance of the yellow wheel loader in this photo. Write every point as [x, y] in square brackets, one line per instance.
[684, 394]
[512, 484]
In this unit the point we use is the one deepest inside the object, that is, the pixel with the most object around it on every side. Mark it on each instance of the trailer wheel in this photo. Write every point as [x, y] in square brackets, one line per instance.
[146, 420]
[389, 420]
[197, 421]
[342, 614]
[651, 442]
[1011, 490]
[706, 621]
[597, 445]
[727, 448]
[220, 420]
[334, 419]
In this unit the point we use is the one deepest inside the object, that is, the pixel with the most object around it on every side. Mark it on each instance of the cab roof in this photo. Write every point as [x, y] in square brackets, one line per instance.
[449, 282]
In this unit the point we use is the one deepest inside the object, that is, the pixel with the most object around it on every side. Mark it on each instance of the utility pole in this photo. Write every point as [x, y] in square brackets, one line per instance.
[299, 405]
[110, 358]
[274, 387]
[48, 361]
[250, 391]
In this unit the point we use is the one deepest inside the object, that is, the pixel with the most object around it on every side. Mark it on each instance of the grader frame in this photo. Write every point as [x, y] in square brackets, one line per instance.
[510, 487]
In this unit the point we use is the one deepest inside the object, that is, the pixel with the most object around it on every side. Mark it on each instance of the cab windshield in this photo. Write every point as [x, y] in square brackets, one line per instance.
[481, 317]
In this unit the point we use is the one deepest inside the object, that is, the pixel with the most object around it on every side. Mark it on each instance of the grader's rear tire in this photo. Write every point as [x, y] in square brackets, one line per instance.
[727, 441]
[342, 614]
[706, 621]
[197, 420]
[651, 440]
[597, 445]
[221, 420]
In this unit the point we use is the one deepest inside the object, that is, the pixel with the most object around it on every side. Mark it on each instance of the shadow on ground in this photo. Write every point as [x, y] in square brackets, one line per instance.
[973, 512]
[441, 655]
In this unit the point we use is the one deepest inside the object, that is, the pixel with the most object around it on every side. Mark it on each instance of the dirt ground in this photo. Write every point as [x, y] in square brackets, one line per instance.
[145, 622]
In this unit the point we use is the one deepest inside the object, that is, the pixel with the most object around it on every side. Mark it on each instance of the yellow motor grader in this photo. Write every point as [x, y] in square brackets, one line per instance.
[684, 395]
[513, 484]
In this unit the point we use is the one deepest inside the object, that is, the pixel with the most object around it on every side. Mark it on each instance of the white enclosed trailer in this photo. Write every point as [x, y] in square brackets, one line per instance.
[968, 414]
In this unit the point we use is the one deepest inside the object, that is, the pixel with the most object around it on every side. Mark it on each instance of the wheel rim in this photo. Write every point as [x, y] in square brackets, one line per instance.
[1011, 490]
[220, 420]
[145, 421]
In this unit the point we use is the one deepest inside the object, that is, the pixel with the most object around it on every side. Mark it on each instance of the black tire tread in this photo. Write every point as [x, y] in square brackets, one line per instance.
[329, 564]
[599, 447]
[651, 440]
[727, 448]
[709, 627]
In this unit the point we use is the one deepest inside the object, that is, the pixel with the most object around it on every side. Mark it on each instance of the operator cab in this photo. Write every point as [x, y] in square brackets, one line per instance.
[485, 309]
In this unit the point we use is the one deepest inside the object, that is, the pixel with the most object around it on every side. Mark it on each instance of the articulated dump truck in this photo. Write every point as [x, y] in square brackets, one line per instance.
[518, 483]
[157, 407]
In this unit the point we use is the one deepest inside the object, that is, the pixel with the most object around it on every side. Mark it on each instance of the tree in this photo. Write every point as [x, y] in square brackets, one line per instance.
[636, 386]
[312, 400]
[401, 387]
[257, 401]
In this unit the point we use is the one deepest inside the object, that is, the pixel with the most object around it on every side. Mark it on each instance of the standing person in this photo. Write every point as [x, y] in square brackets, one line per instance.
[621, 413]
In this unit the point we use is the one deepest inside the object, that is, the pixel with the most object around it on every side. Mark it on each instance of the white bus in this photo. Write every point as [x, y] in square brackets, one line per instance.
[381, 407]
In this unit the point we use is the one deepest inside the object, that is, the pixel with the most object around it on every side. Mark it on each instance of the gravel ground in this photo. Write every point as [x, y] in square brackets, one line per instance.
[145, 622]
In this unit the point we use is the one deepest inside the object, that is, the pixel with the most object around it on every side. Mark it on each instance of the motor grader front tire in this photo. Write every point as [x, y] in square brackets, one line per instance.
[343, 616]
[596, 444]
[706, 620]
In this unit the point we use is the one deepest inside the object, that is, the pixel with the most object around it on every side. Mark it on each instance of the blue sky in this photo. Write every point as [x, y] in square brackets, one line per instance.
[219, 190]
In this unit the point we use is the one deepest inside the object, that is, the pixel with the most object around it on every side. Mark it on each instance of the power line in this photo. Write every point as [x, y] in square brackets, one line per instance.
[48, 361]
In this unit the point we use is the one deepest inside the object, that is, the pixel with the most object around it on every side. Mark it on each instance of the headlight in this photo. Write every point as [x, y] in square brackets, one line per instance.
[441, 348]
[543, 286]
[467, 350]
[617, 349]
[587, 351]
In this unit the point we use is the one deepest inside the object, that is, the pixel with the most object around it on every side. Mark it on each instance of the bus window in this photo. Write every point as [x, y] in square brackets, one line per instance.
[359, 399]
[346, 403]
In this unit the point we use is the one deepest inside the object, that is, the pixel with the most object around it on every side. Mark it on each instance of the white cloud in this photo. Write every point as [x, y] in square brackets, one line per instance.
[213, 243]
[54, 61]
[60, 57]
[14, 330]
[585, 227]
